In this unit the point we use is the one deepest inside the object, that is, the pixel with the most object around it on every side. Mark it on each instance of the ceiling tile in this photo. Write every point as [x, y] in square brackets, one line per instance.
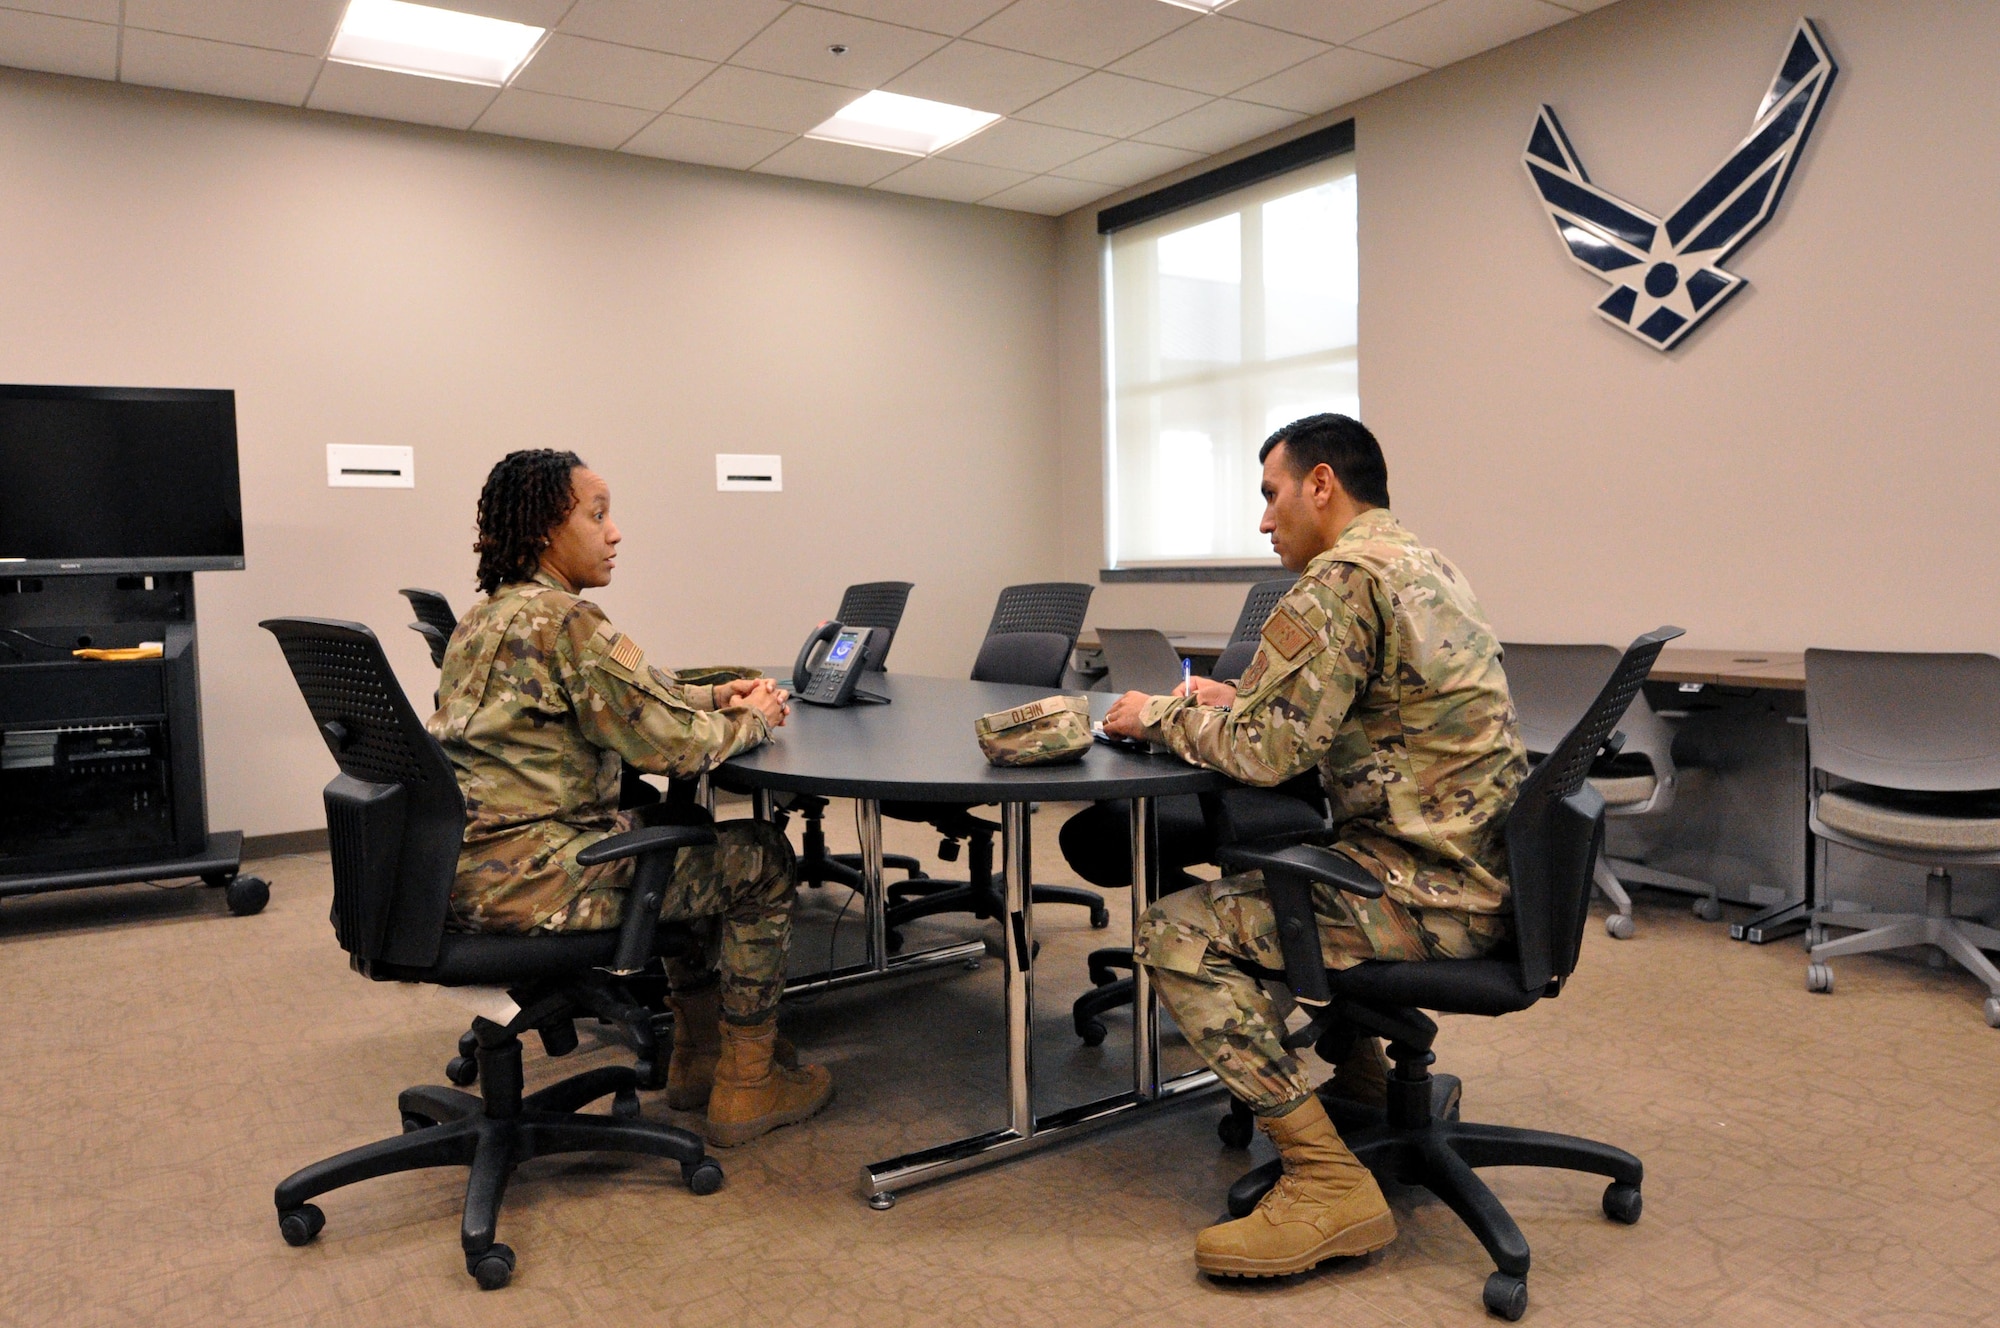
[1112, 104]
[1047, 195]
[1337, 23]
[587, 124]
[1083, 32]
[768, 101]
[950, 17]
[162, 60]
[706, 142]
[957, 181]
[58, 45]
[700, 28]
[1022, 146]
[377, 92]
[93, 11]
[835, 163]
[1340, 76]
[986, 78]
[1217, 55]
[797, 45]
[600, 71]
[1454, 29]
[1585, 6]
[304, 26]
[1219, 125]
[1128, 163]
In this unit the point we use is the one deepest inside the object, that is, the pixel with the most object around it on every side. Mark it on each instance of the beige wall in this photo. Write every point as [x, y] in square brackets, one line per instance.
[1815, 466]
[360, 282]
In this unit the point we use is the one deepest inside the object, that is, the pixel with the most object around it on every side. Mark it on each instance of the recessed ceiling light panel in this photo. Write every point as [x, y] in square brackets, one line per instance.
[1203, 6]
[895, 123]
[436, 43]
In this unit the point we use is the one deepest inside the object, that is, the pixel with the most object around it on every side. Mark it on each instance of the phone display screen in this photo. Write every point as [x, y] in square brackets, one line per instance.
[844, 647]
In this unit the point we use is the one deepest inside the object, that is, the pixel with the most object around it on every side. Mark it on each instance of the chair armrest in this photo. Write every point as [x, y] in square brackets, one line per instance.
[654, 846]
[1307, 861]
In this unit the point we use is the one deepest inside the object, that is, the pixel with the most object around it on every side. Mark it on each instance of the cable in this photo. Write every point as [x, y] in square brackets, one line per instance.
[46, 645]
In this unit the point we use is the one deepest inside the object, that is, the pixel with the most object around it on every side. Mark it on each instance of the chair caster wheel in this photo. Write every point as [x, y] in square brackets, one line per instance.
[625, 1104]
[881, 1203]
[299, 1225]
[894, 940]
[492, 1267]
[1235, 1131]
[703, 1177]
[1092, 1031]
[1619, 926]
[414, 1121]
[1708, 910]
[461, 1070]
[1506, 1296]
[246, 895]
[652, 1075]
[1992, 1011]
[972, 965]
[1100, 918]
[1819, 978]
[1815, 937]
[1623, 1203]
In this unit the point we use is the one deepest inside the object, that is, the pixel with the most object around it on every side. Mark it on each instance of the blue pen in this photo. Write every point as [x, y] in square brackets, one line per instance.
[1187, 678]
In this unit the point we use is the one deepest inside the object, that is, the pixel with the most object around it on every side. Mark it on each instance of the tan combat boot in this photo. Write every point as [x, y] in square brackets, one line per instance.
[1362, 1076]
[754, 1094]
[697, 1044]
[1325, 1206]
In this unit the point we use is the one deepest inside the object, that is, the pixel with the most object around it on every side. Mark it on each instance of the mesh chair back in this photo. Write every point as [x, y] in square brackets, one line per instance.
[1257, 607]
[1904, 720]
[1140, 660]
[1044, 606]
[1030, 659]
[876, 604]
[1235, 658]
[395, 818]
[1557, 826]
[435, 620]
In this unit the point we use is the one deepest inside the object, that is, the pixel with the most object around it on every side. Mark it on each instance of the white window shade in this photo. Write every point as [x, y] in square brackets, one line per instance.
[1224, 321]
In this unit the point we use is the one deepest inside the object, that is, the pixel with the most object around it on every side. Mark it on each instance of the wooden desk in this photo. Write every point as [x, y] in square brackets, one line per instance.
[1776, 670]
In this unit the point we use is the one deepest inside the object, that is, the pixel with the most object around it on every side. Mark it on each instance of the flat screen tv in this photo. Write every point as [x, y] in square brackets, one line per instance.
[118, 479]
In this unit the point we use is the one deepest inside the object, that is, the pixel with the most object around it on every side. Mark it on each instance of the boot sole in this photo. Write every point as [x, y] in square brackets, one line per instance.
[732, 1134]
[1362, 1238]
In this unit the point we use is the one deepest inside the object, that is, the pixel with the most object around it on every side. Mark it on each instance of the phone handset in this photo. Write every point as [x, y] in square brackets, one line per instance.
[831, 678]
[802, 667]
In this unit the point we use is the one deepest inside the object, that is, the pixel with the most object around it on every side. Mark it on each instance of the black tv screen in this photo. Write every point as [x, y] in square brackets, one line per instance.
[118, 479]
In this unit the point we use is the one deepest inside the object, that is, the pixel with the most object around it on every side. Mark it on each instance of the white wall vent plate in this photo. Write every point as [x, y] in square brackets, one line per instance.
[356, 466]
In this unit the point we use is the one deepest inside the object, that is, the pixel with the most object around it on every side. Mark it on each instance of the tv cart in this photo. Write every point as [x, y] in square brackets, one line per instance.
[100, 762]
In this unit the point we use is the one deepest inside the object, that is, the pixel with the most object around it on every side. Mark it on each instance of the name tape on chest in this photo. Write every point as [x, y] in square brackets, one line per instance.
[1287, 634]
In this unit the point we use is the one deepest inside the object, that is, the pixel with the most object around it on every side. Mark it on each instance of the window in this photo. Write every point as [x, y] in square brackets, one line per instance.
[1225, 319]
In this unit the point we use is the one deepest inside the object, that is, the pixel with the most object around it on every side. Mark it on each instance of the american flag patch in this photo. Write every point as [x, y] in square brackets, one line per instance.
[627, 655]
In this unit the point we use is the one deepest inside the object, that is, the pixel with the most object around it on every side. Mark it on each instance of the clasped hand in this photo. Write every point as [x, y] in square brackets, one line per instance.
[759, 694]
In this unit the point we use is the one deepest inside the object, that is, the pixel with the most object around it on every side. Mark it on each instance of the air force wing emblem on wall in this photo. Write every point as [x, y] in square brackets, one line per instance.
[1663, 273]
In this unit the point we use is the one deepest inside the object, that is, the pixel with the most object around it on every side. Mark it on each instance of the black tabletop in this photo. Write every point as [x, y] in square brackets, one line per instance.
[921, 748]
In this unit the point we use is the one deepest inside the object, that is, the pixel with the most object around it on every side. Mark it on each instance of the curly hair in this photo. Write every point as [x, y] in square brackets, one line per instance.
[527, 495]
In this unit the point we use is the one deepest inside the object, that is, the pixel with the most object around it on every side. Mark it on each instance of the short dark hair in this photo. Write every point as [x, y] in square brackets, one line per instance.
[1341, 443]
[527, 495]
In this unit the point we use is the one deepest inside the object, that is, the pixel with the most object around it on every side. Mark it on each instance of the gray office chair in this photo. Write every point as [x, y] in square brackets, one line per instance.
[1029, 642]
[1552, 686]
[395, 823]
[1139, 659]
[435, 620]
[1905, 765]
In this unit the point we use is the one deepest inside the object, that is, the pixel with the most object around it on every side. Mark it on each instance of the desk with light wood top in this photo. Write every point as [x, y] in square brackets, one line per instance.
[1777, 670]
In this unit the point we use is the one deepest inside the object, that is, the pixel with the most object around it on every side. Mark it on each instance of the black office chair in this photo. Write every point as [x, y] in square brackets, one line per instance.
[395, 822]
[435, 620]
[1096, 842]
[1029, 641]
[1553, 836]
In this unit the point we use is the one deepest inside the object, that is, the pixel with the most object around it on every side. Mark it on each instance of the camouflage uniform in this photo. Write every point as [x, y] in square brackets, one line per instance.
[1379, 667]
[541, 703]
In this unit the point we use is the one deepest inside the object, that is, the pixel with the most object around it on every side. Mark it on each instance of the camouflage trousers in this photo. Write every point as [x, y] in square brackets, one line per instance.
[738, 893]
[1188, 939]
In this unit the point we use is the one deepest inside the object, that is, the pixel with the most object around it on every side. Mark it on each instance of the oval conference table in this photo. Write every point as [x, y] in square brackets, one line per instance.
[920, 748]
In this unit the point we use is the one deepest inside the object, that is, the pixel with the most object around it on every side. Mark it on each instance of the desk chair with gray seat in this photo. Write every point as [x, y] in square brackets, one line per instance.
[1552, 685]
[1138, 659]
[1096, 841]
[1028, 642]
[395, 821]
[1553, 836]
[1905, 765]
[435, 620]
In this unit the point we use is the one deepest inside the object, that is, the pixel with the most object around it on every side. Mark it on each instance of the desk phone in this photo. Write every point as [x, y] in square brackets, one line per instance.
[832, 677]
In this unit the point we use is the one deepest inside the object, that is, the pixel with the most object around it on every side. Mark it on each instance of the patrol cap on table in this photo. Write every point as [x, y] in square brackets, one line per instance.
[714, 673]
[1045, 732]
